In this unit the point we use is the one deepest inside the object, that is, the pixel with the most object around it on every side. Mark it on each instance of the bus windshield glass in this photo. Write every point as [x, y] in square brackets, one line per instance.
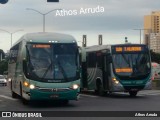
[131, 65]
[52, 62]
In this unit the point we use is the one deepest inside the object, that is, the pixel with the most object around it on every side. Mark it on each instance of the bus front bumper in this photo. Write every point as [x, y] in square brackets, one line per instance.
[37, 94]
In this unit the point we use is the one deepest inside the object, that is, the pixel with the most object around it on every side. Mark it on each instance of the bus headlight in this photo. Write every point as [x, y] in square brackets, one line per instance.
[9, 79]
[75, 86]
[26, 84]
[31, 86]
[115, 80]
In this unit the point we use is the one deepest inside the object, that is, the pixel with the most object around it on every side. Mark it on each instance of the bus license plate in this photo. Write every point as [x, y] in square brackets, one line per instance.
[134, 89]
[54, 96]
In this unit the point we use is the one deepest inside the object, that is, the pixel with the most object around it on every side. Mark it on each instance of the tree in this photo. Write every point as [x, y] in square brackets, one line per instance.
[3, 66]
[3, 62]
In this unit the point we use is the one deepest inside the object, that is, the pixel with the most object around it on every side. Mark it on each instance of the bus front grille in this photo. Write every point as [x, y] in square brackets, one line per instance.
[134, 87]
[54, 89]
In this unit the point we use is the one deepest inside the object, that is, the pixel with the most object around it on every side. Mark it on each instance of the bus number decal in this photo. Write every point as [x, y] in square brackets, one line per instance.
[41, 46]
[128, 49]
[118, 70]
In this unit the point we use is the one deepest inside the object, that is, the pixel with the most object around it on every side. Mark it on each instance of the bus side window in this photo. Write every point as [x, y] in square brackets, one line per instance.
[99, 60]
[13, 54]
[91, 60]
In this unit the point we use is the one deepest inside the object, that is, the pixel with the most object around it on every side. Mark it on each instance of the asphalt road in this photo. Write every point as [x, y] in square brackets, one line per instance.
[145, 101]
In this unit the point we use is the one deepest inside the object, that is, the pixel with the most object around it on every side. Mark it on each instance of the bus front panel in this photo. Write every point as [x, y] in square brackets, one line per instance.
[132, 66]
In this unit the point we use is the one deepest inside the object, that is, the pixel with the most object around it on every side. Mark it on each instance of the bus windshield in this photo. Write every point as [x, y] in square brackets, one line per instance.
[52, 62]
[131, 65]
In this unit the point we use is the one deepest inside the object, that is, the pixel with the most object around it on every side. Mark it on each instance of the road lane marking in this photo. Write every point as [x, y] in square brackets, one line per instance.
[151, 94]
[148, 94]
[141, 93]
[7, 97]
[84, 95]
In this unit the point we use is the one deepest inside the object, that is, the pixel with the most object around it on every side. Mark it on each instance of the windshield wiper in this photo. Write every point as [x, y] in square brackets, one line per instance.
[45, 73]
[61, 68]
[127, 61]
[30, 64]
[63, 72]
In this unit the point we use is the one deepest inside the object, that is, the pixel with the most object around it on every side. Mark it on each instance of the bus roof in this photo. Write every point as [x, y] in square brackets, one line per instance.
[107, 47]
[97, 48]
[45, 37]
[128, 44]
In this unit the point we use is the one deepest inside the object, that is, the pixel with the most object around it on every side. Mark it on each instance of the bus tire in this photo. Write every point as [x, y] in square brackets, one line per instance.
[11, 85]
[133, 93]
[65, 102]
[24, 101]
[96, 91]
[14, 95]
[100, 90]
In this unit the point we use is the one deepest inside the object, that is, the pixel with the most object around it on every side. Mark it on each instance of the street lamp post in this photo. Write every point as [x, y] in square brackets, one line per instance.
[140, 31]
[43, 14]
[11, 33]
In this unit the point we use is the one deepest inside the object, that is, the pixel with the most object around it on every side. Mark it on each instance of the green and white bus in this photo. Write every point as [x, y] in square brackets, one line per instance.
[116, 68]
[45, 66]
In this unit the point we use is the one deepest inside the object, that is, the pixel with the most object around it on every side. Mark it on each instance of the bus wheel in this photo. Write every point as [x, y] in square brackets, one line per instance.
[24, 101]
[96, 91]
[14, 95]
[65, 102]
[133, 93]
[100, 89]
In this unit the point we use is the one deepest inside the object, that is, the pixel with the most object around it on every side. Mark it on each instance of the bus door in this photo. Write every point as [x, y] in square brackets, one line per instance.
[106, 70]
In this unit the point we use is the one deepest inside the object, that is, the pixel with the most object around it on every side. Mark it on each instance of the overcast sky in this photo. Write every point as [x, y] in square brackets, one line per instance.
[117, 21]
